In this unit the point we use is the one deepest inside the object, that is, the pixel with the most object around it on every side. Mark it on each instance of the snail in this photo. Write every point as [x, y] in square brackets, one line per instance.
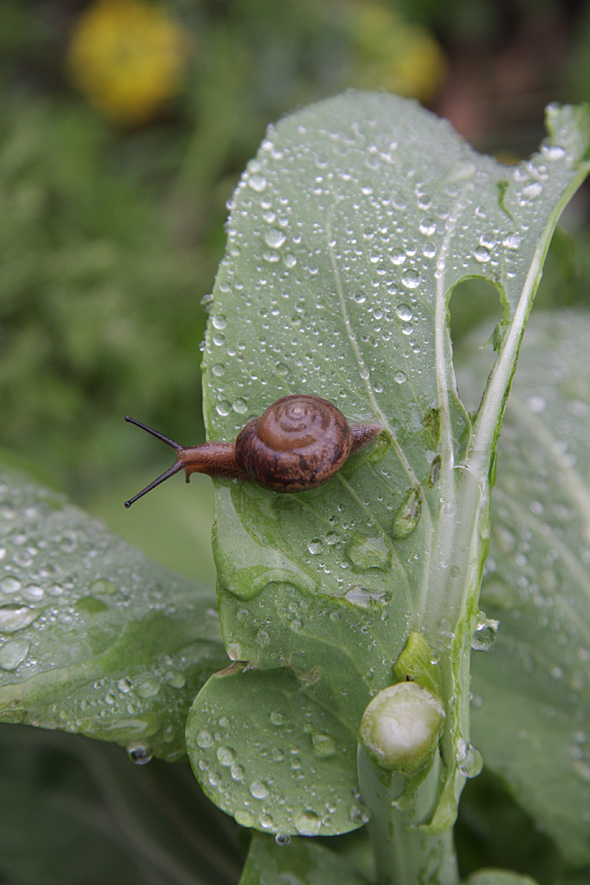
[300, 442]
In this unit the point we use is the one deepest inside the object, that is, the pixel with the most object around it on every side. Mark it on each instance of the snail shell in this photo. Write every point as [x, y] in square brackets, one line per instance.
[298, 443]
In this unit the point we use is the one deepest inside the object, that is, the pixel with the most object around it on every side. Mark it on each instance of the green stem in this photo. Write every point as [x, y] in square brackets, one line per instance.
[404, 853]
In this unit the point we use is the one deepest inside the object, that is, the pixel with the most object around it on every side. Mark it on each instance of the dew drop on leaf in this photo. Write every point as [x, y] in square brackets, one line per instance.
[244, 817]
[323, 745]
[485, 635]
[307, 823]
[469, 760]
[204, 739]
[275, 238]
[237, 772]
[13, 653]
[258, 789]
[408, 515]
[225, 756]
[10, 584]
[372, 552]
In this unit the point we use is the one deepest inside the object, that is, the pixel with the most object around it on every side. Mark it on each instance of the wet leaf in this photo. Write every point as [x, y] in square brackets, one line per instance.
[531, 716]
[346, 236]
[95, 638]
[281, 756]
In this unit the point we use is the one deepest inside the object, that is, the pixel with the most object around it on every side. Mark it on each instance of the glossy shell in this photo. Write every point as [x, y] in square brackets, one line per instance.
[299, 443]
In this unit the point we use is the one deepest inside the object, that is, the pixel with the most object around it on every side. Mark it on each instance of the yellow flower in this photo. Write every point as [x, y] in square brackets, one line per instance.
[390, 53]
[127, 57]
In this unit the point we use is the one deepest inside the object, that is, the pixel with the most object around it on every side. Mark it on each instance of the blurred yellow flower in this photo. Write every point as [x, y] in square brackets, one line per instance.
[127, 57]
[390, 53]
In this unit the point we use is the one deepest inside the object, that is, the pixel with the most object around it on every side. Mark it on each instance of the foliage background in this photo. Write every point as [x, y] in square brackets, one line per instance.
[119, 147]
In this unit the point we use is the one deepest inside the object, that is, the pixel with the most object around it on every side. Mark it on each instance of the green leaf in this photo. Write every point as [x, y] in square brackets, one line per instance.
[270, 746]
[269, 863]
[95, 638]
[531, 718]
[346, 236]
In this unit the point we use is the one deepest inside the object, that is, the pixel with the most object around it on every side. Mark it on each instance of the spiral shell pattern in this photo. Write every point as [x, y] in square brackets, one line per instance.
[299, 443]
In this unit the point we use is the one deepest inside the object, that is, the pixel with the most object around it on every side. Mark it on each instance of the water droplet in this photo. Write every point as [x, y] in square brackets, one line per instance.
[469, 760]
[307, 823]
[411, 279]
[427, 227]
[33, 593]
[226, 756]
[15, 617]
[259, 789]
[175, 678]
[257, 183]
[399, 377]
[140, 754]
[237, 772]
[240, 406]
[204, 739]
[363, 597]
[482, 254]
[274, 238]
[290, 260]
[553, 152]
[282, 839]
[323, 745]
[10, 584]
[13, 653]
[369, 552]
[244, 818]
[223, 408]
[315, 546]
[404, 312]
[148, 689]
[218, 369]
[532, 190]
[512, 241]
[101, 587]
[408, 515]
[485, 635]
[277, 718]
[124, 685]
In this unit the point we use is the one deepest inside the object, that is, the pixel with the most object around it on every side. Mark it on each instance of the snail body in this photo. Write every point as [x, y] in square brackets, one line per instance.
[299, 443]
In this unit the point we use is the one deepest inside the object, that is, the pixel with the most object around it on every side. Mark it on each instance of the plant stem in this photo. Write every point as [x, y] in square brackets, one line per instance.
[404, 853]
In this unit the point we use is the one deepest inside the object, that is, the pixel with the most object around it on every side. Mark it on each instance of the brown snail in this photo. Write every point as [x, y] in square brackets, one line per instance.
[299, 443]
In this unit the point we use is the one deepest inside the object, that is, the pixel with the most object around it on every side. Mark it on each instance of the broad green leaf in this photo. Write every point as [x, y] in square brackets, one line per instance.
[346, 236]
[279, 737]
[531, 717]
[95, 638]
[300, 861]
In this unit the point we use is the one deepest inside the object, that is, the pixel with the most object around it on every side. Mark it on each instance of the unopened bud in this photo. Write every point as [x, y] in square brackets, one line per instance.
[401, 726]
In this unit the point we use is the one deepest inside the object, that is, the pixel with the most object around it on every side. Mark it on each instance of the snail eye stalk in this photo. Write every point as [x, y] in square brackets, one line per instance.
[170, 472]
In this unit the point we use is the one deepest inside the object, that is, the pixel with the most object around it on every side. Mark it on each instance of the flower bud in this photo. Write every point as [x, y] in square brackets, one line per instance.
[401, 726]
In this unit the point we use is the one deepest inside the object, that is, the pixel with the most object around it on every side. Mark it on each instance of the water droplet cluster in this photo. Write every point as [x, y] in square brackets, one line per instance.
[71, 595]
[281, 767]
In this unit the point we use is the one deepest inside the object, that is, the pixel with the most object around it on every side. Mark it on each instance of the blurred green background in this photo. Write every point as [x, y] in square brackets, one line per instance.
[124, 126]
